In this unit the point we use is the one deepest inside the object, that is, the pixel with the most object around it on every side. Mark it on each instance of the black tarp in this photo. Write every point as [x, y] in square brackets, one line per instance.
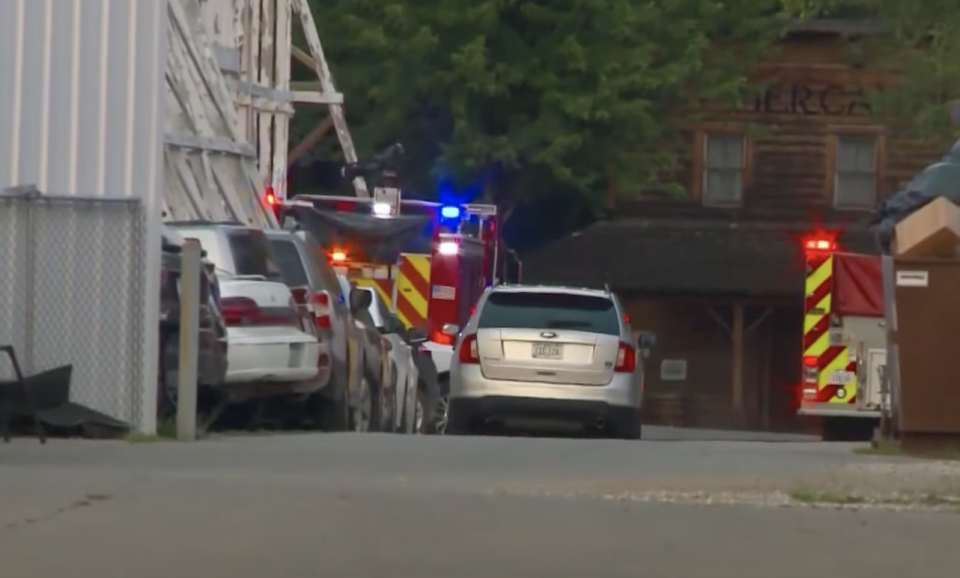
[379, 238]
[938, 180]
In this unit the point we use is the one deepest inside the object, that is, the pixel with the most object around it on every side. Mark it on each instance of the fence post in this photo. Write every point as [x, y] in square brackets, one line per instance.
[27, 195]
[189, 333]
[892, 369]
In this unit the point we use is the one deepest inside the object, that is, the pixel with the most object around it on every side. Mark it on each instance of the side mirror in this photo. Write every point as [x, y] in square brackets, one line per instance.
[416, 336]
[393, 325]
[359, 300]
[646, 340]
[450, 329]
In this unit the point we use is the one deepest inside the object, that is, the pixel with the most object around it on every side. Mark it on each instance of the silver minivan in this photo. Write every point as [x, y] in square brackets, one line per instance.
[315, 286]
[559, 354]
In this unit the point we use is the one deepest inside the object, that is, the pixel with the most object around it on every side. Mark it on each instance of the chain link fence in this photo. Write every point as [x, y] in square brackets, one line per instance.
[72, 294]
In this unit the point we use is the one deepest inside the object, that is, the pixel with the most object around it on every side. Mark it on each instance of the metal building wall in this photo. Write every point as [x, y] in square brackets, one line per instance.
[82, 96]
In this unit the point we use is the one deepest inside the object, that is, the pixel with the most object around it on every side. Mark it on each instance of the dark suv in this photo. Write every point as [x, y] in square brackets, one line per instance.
[212, 344]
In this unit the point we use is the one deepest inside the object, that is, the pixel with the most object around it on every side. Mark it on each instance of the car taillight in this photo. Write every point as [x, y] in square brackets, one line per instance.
[244, 312]
[321, 309]
[626, 359]
[468, 350]
[239, 311]
[441, 338]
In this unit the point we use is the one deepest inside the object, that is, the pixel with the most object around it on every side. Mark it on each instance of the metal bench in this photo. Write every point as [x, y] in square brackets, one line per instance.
[31, 396]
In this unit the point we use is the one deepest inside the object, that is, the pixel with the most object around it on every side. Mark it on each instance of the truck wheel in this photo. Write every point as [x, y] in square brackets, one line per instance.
[333, 414]
[332, 409]
[442, 415]
[367, 414]
[390, 415]
[433, 404]
[166, 376]
[459, 421]
[408, 415]
[419, 411]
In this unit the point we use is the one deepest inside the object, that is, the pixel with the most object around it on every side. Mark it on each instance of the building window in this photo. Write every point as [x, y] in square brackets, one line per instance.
[725, 157]
[855, 181]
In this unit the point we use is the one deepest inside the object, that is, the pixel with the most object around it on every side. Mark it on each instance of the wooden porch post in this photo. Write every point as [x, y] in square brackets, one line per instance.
[739, 411]
[738, 334]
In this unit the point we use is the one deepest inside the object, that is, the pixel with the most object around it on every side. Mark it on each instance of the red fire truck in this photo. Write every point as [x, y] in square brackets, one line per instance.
[844, 340]
[429, 261]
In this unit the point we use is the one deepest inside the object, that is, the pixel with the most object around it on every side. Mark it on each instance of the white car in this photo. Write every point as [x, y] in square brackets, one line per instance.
[402, 369]
[269, 353]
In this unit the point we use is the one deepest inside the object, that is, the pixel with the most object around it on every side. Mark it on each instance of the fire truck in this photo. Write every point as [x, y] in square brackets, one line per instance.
[844, 340]
[428, 261]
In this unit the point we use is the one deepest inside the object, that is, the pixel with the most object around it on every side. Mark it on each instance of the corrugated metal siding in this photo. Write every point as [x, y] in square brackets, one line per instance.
[81, 96]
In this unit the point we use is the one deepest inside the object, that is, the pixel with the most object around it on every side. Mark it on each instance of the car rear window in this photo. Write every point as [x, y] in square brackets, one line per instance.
[252, 254]
[291, 265]
[327, 276]
[509, 310]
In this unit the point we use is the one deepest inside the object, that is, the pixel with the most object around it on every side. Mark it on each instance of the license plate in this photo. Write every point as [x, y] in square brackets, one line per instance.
[840, 377]
[296, 356]
[547, 351]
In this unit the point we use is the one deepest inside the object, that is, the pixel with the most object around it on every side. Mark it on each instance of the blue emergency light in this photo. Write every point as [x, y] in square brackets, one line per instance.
[450, 212]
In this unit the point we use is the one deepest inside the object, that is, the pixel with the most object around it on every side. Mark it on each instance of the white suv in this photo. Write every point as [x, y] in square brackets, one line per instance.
[556, 353]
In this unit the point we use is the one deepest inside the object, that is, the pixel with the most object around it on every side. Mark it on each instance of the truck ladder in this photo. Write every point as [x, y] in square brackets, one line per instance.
[335, 106]
[210, 167]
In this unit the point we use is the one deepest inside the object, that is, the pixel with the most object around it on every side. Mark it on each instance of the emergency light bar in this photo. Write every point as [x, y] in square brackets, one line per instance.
[448, 248]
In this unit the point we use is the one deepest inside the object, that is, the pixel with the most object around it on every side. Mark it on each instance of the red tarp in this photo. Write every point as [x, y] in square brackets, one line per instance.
[857, 285]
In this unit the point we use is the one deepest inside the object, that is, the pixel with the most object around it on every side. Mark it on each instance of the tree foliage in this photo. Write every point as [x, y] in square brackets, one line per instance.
[918, 43]
[526, 96]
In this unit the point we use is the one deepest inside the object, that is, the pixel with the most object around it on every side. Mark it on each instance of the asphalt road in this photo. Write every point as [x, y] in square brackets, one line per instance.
[299, 506]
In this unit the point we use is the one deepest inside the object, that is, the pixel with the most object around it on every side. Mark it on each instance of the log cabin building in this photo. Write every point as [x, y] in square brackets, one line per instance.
[718, 274]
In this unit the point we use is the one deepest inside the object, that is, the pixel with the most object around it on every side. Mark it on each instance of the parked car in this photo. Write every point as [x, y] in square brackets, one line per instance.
[431, 414]
[211, 341]
[402, 347]
[318, 293]
[360, 368]
[373, 395]
[557, 353]
[269, 353]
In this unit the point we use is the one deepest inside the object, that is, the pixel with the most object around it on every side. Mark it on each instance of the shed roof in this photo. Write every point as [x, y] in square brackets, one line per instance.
[686, 256]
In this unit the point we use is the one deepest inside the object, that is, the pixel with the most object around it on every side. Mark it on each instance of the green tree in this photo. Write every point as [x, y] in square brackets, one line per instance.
[526, 97]
[917, 43]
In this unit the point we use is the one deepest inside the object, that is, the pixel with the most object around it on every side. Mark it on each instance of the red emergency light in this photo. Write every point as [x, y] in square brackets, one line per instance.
[820, 245]
[820, 240]
[269, 197]
[338, 256]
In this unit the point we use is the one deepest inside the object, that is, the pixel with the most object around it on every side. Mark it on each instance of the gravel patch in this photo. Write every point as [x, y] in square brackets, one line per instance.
[892, 485]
